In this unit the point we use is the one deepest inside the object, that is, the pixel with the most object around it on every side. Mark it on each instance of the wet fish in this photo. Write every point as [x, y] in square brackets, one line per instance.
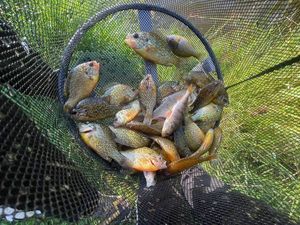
[80, 83]
[145, 159]
[193, 134]
[99, 138]
[216, 144]
[93, 108]
[222, 98]
[148, 94]
[207, 94]
[209, 113]
[175, 115]
[169, 87]
[180, 142]
[199, 78]
[128, 113]
[205, 126]
[180, 46]
[206, 144]
[119, 94]
[186, 163]
[130, 138]
[168, 148]
[152, 47]
[144, 128]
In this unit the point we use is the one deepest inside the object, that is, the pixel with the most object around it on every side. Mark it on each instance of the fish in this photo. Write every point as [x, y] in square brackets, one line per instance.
[206, 144]
[148, 93]
[169, 87]
[186, 163]
[193, 134]
[205, 126]
[144, 128]
[129, 137]
[128, 113]
[168, 148]
[153, 47]
[207, 94]
[222, 98]
[180, 142]
[145, 159]
[213, 150]
[93, 108]
[167, 104]
[209, 113]
[175, 115]
[99, 138]
[80, 83]
[181, 47]
[119, 94]
[199, 78]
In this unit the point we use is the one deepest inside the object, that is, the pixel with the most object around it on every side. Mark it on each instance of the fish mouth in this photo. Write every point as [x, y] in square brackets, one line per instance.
[130, 42]
[78, 112]
[85, 128]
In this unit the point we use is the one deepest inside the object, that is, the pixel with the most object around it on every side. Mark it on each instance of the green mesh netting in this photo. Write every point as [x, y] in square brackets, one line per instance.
[47, 177]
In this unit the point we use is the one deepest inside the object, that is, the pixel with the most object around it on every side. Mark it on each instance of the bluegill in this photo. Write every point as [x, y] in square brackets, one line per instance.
[148, 94]
[119, 94]
[180, 46]
[99, 138]
[80, 83]
[130, 138]
[175, 115]
[152, 47]
[209, 113]
[145, 159]
[93, 108]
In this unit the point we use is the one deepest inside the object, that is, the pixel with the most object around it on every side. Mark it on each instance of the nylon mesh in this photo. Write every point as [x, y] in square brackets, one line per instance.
[47, 176]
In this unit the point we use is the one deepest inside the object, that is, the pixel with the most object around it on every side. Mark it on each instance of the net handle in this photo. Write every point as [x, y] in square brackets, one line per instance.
[66, 58]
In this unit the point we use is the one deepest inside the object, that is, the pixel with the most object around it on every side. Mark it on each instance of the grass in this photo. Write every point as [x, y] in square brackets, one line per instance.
[260, 152]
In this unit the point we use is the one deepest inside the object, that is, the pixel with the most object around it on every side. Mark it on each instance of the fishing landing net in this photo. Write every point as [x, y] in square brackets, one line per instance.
[47, 176]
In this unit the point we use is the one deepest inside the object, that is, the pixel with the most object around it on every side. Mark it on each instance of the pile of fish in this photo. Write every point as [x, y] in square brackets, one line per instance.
[166, 128]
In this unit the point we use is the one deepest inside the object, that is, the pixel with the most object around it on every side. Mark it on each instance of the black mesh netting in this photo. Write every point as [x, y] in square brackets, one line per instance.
[48, 177]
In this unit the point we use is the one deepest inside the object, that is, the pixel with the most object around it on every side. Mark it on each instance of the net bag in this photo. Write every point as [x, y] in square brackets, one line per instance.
[49, 176]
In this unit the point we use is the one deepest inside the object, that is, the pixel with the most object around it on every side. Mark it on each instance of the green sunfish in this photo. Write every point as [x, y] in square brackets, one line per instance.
[93, 108]
[193, 134]
[130, 138]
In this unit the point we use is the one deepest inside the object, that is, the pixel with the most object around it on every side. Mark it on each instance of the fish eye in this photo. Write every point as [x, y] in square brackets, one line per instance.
[136, 35]
[91, 64]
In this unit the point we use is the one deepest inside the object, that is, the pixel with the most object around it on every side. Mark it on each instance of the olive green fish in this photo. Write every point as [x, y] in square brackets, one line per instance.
[180, 142]
[209, 113]
[119, 94]
[144, 128]
[199, 78]
[93, 108]
[193, 134]
[222, 98]
[130, 138]
[148, 94]
[207, 94]
[99, 138]
[80, 83]
[167, 88]
[180, 46]
[152, 47]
